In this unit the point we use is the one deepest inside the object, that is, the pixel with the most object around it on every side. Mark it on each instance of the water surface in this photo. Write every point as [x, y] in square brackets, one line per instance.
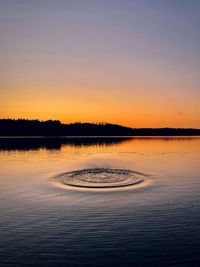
[47, 221]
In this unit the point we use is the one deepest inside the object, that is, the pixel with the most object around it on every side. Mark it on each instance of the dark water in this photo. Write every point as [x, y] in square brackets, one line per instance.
[47, 222]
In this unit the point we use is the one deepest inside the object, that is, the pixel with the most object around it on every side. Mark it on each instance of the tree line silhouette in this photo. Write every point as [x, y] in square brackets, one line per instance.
[23, 127]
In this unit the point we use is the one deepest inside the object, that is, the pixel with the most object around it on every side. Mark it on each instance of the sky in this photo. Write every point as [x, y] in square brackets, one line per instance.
[130, 62]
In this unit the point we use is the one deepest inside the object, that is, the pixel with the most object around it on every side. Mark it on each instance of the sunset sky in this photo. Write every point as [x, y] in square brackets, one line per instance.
[131, 62]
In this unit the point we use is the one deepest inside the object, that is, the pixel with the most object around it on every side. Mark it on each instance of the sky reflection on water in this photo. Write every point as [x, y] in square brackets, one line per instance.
[155, 224]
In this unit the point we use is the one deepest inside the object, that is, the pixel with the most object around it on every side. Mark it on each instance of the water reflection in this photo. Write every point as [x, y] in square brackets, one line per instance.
[154, 223]
[56, 143]
[50, 143]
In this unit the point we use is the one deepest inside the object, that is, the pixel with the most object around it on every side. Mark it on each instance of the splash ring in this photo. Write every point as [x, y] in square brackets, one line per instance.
[100, 178]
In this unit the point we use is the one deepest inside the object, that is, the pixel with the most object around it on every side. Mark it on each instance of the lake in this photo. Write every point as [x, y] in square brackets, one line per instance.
[100, 201]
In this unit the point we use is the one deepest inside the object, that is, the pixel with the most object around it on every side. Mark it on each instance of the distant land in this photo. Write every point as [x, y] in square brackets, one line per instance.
[23, 127]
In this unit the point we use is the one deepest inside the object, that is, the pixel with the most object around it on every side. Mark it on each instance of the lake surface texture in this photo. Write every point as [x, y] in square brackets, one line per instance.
[100, 201]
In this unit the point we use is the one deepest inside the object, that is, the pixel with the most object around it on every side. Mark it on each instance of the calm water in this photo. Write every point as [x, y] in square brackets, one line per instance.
[59, 207]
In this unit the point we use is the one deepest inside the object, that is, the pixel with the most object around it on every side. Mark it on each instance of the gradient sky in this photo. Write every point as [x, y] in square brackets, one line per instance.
[132, 62]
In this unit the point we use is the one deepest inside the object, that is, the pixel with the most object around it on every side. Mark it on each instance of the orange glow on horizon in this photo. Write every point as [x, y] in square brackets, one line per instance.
[133, 109]
[93, 66]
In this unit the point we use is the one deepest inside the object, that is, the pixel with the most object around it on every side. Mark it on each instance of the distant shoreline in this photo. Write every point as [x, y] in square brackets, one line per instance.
[52, 129]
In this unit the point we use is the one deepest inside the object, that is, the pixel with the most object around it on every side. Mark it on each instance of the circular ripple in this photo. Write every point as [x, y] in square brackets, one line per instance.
[100, 178]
